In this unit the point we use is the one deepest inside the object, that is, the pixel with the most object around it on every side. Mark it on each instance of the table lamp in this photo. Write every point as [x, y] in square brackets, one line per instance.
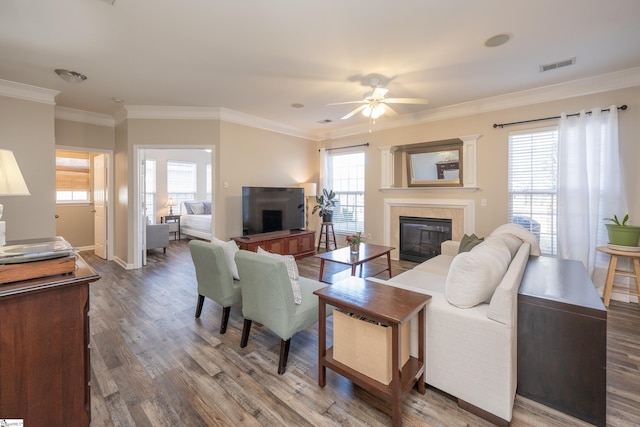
[171, 203]
[309, 191]
[11, 184]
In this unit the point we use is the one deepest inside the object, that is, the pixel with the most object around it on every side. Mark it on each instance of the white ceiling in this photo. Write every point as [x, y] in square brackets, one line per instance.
[257, 57]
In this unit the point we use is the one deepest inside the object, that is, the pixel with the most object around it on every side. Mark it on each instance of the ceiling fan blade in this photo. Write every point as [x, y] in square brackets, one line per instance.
[406, 101]
[354, 112]
[349, 102]
[390, 112]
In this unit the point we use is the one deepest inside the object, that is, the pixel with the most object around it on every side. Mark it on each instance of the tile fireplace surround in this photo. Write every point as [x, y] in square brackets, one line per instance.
[461, 213]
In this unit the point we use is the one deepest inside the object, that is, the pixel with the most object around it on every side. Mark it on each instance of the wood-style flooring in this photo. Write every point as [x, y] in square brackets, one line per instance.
[154, 364]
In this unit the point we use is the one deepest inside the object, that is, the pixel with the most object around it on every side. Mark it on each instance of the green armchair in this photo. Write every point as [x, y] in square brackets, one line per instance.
[215, 280]
[267, 298]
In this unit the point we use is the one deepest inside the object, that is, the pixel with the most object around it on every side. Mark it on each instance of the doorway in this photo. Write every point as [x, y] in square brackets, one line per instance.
[168, 176]
[84, 214]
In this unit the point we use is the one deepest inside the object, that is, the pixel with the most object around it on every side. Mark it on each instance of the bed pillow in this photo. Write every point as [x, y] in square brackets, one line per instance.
[230, 248]
[207, 208]
[292, 270]
[197, 208]
[187, 207]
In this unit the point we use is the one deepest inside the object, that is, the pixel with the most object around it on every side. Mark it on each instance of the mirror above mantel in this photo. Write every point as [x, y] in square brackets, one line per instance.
[441, 165]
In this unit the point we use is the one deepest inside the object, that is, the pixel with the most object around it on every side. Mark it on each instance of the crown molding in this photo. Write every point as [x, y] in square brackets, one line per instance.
[571, 89]
[237, 117]
[209, 113]
[28, 92]
[64, 113]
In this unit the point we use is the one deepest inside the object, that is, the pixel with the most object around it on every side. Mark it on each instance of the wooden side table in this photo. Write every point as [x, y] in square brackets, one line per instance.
[326, 228]
[609, 287]
[172, 219]
[389, 306]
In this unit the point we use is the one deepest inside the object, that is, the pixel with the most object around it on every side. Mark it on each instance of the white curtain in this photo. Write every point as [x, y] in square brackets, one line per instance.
[324, 172]
[590, 186]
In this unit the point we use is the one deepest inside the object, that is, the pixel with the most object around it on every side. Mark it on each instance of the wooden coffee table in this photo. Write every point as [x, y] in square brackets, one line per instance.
[389, 306]
[367, 253]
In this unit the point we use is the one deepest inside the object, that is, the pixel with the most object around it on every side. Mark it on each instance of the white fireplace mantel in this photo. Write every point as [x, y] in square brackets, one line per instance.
[466, 206]
[470, 165]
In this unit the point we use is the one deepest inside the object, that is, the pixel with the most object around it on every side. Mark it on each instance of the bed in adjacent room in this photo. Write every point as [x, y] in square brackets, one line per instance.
[195, 219]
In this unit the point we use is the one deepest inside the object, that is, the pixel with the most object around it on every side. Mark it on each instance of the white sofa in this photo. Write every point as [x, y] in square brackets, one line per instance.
[471, 353]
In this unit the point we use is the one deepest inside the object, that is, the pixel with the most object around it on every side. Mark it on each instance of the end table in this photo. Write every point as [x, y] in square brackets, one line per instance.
[174, 220]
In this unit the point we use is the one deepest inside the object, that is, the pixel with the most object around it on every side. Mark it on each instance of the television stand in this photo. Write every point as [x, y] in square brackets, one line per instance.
[299, 243]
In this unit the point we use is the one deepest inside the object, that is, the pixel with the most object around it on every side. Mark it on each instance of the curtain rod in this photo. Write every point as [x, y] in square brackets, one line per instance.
[366, 144]
[501, 125]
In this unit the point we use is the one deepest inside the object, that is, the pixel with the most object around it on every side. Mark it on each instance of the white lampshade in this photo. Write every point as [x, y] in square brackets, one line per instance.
[309, 189]
[11, 180]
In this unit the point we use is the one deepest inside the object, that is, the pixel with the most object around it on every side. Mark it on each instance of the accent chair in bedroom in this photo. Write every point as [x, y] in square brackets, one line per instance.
[215, 280]
[158, 236]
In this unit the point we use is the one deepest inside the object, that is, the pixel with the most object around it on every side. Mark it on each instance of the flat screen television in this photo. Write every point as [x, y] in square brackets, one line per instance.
[266, 209]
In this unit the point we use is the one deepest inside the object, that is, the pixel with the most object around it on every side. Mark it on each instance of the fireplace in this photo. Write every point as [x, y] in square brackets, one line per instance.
[420, 238]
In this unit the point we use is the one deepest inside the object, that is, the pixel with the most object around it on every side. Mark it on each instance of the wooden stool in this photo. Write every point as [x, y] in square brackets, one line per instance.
[327, 237]
[612, 272]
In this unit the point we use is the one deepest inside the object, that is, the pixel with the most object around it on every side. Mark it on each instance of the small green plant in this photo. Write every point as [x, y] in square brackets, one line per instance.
[616, 221]
[325, 203]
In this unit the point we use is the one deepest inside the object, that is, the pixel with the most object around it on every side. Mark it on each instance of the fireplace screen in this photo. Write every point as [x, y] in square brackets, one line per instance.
[420, 238]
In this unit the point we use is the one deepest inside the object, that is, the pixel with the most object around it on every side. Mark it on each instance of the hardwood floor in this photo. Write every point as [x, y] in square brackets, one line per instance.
[154, 364]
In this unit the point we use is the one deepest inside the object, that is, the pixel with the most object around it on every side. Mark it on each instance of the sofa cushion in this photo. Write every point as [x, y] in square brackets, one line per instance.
[474, 276]
[512, 242]
[439, 264]
[469, 242]
[230, 248]
[520, 232]
[292, 270]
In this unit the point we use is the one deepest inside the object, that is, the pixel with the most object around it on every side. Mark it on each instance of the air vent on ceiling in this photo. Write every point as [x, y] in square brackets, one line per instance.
[325, 121]
[558, 64]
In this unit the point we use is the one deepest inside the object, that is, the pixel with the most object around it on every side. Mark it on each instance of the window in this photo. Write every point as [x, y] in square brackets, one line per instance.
[150, 190]
[346, 178]
[73, 169]
[208, 178]
[182, 184]
[533, 178]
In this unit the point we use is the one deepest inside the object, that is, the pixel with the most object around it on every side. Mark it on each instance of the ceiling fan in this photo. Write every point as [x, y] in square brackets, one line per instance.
[374, 104]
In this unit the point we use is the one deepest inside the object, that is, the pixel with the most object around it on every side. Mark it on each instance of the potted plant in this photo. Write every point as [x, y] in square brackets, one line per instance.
[354, 241]
[325, 203]
[622, 233]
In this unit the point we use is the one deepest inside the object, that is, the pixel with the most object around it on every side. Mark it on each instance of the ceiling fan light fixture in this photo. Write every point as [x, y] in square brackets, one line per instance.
[70, 76]
[373, 111]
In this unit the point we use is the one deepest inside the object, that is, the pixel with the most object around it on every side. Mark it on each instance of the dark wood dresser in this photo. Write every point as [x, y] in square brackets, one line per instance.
[44, 349]
[562, 339]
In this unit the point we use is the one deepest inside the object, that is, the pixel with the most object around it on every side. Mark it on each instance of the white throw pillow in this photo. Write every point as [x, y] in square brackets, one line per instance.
[292, 270]
[474, 276]
[521, 233]
[230, 248]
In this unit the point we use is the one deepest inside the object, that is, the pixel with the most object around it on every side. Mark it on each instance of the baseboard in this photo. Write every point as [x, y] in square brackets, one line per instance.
[494, 419]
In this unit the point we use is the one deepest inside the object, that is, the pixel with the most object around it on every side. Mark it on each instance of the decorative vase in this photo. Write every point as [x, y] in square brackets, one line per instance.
[623, 235]
[355, 248]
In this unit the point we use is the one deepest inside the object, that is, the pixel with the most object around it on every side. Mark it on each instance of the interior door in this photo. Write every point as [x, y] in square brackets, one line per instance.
[142, 185]
[99, 206]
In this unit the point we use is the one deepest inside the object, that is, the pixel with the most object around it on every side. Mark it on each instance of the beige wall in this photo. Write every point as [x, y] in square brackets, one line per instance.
[492, 155]
[254, 157]
[27, 128]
